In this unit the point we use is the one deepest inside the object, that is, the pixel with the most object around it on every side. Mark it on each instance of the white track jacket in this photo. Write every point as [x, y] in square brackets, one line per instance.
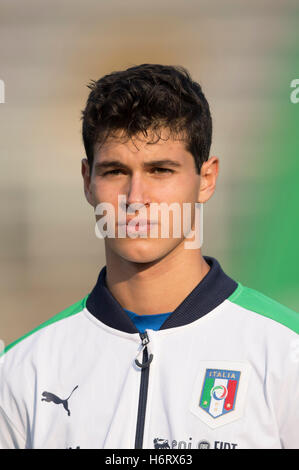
[221, 373]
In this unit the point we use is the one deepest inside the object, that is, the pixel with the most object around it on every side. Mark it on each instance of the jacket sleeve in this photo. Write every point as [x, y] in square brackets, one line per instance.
[10, 437]
[12, 412]
[288, 398]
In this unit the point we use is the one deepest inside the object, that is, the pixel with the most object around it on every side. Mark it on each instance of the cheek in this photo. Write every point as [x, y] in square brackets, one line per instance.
[103, 193]
[179, 196]
[181, 189]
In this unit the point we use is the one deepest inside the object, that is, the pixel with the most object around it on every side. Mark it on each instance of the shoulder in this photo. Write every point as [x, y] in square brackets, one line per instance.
[259, 303]
[43, 328]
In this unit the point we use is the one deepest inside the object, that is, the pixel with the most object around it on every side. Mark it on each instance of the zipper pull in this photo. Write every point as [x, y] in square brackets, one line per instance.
[145, 340]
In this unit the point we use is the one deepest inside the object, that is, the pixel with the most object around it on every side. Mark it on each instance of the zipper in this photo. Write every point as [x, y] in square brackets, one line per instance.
[145, 366]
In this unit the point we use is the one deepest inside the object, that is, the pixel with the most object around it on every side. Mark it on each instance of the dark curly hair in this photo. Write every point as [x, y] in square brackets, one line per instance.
[148, 97]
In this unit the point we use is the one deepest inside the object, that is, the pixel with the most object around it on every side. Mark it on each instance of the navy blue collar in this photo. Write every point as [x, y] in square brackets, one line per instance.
[210, 292]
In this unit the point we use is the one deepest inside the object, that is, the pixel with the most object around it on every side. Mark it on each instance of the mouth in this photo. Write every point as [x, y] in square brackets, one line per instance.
[142, 226]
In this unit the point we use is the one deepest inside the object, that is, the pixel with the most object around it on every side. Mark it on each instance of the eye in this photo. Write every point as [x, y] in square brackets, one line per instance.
[161, 170]
[112, 172]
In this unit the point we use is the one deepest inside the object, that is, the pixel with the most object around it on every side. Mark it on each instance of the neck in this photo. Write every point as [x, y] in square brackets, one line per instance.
[155, 287]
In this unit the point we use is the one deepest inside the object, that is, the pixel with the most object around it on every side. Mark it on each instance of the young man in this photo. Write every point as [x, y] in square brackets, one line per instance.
[167, 351]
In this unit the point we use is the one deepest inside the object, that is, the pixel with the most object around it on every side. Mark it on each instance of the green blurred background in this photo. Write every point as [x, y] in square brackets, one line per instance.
[244, 55]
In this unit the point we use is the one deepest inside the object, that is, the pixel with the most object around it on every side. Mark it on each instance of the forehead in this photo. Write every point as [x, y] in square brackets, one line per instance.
[122, 146]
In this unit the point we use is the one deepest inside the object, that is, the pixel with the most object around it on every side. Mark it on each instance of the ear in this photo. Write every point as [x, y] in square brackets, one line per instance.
[85, 171]
[208, 177]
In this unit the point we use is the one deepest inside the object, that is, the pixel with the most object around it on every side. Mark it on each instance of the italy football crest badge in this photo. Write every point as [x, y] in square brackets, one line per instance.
[219, 393]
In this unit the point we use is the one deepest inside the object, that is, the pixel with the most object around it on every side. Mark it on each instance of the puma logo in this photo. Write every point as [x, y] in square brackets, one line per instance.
[51, 397]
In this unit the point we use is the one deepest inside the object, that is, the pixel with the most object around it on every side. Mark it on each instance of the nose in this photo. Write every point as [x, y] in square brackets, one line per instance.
[137, 192]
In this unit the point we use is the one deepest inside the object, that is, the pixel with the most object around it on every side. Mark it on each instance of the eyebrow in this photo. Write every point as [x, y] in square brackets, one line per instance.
[119, 164]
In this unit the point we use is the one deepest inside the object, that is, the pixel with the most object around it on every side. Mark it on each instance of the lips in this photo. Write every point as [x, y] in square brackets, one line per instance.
[143, 222]
[140, 226]
[139, 223]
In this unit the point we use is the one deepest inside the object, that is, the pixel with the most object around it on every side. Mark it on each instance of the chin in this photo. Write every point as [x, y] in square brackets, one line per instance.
[143, 250]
